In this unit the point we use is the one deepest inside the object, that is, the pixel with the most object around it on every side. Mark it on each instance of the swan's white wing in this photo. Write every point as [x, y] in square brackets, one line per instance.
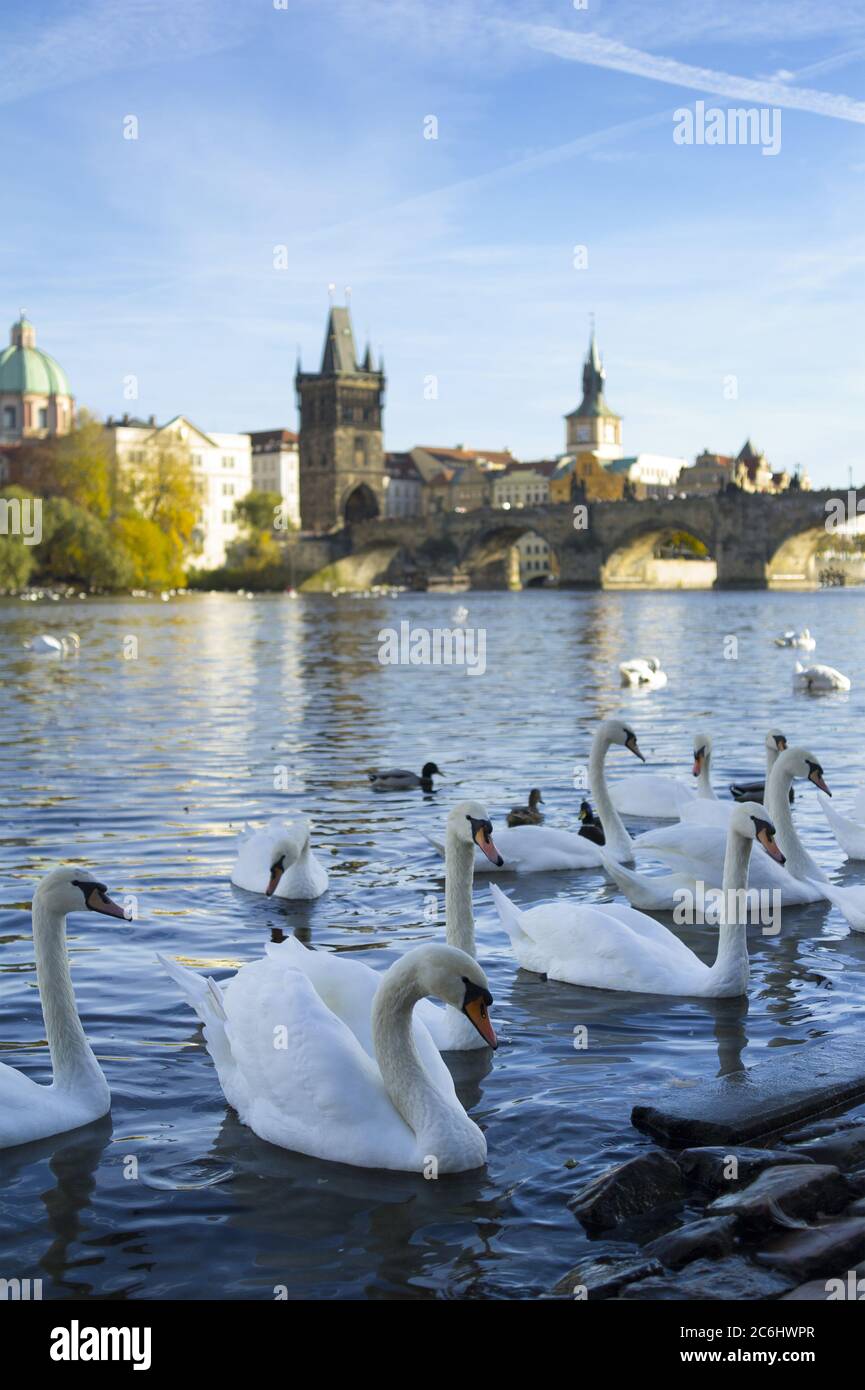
[850, 902]
[850, 836]
[305, 1082]
[702, 811]
[651, 796]
[534, 848]
[584, 946]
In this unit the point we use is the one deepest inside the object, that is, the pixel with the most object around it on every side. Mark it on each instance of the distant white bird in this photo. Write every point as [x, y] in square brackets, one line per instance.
[792, 638]
[814, 679]
[643, 672]
[46, 645]
[278, 861]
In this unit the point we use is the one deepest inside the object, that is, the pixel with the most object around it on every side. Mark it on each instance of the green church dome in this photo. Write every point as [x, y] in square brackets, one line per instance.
[26, 369]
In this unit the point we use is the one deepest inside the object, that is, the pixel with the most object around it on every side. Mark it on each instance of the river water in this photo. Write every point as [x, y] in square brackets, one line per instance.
[141, 758]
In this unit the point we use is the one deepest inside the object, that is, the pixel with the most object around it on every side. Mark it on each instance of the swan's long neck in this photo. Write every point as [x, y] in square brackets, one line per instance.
[772, 752]
[618, 841]
[704, 779]
[799, 862]
[459, 876]
[731, 961]
[71, 1054]
[435, 1120]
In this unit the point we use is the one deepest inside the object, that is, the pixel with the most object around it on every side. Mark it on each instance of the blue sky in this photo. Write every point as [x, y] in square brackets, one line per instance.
[303, 127]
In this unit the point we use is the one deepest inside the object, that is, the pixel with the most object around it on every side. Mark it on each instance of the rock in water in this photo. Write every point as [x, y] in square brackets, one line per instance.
[707, 1239]
[607, 1275]
[630, 1189]
[818, 1250]
[723, 1169]
[796, 1190]
[735, 1278]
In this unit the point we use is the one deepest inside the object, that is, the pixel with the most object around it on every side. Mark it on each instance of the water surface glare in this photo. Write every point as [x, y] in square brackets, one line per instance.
[144, 769]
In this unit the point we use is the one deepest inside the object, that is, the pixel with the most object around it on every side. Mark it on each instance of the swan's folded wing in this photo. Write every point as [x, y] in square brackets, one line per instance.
[590, 947]
[304, 1081]
[850, 836]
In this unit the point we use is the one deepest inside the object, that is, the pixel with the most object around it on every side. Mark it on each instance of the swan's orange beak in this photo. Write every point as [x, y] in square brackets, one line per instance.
[484, 842]
[276, 872]
[770, 847]
[98, 900]
[476, 1011]
[817, 778]
[631, 745]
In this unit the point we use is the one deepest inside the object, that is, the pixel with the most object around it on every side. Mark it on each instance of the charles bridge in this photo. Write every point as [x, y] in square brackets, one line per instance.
[755, 540]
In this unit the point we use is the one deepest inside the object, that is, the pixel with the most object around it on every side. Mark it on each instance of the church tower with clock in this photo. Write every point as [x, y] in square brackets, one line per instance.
[593, 428]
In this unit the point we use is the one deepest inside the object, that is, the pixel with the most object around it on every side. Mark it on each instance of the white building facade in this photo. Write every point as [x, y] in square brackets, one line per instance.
[276, 468]
[652, 475]
[222, 466]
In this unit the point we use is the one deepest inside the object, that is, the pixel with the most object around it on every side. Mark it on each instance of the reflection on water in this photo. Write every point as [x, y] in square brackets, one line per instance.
[145, 769]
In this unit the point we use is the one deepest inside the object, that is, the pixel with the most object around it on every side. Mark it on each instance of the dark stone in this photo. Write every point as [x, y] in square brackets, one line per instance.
[845, 1148]
[709, 1239]
[629, 1189]
[794, 1190]
[856, 1208]
[817, 1250]
[735, 1278]
[856, 1182]
[708, 1166]
[792, 1085]
[847, 1285]
[607, 1275]
[819, 1129]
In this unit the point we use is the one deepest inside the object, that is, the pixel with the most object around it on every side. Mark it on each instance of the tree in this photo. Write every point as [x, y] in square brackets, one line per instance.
[257, 510]
[79, 548]
[76, 466]
[255, 547]
[162, 489]
[17, 560]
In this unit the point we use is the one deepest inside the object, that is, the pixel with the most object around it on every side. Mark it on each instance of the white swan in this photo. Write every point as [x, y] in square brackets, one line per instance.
[643, 672]
[618, 948]
[775, 743]
[468, 827]
[803, 640]
[716, 812]
[278, 861]
[696, 852]
[78, 1092]
[849, 834]
[654, 797]
[329, 1061]
[815, 679]
[46, 645]
[529, 849]
[850, 902]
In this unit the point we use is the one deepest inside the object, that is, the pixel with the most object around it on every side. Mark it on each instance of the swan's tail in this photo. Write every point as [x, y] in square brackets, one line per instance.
[632, 884]
[509, 914]
[435, 841]
[205, 997]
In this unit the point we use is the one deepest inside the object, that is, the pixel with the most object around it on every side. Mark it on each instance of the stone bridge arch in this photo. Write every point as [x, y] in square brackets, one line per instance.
[491, 557]
[661, 545]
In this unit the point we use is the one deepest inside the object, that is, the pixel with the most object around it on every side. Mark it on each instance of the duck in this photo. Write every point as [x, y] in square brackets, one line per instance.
[541, 848]
[611, 946]
[528, 815]
[696, 852]
[355, 1077]
[278, 861]
[397, 779]
[656, 797]
[816, 679]
[78, 1093]
[644, 672]
[791, 638]
[468, 826]
[590, 828]
[775, 742]
[47, 645]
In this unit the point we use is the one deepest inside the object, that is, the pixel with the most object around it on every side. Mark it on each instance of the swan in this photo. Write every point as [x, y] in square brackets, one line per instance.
[468, 825]
[528, 815]
[278, 861]
[614, 947]
[330, 1062]
[46, 645]
[538, 848]
[802, 639]
[849, 834]
[397, 779]
[78, 1092]
[665, 798]
[775, 743]
[850, 902]
[696, 852]
[815, 679]
[644, 672]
